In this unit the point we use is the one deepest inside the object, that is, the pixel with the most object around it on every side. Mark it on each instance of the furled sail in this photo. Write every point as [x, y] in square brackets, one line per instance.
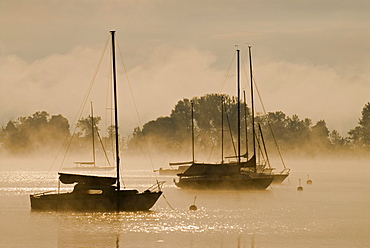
[86, 179]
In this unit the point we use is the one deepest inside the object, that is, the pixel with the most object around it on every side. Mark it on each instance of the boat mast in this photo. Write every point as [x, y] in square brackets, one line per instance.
[238, 78]
[192, 130]
[93, 132]
[246, 125]
[115, 107]
[222, 129]
[252, 99]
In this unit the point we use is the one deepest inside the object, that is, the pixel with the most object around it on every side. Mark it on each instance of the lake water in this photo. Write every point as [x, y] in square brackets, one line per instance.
[332, 212]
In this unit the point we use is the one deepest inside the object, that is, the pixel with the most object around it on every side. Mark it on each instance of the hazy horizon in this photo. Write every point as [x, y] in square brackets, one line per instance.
[310, 58]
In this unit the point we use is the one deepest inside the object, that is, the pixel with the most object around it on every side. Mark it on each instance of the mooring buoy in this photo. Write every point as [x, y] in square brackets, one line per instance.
[309, 181]
[300, 188]
[193, 207]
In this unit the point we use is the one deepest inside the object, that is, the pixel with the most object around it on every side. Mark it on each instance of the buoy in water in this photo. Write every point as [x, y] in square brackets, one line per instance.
[308, 180]
[300, 188]
[193, 207]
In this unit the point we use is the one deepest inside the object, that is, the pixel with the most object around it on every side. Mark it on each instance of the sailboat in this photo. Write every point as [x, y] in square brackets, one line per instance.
[92, 165]
[174, 169]
[264, 168]
[225, 175]
[95, 193]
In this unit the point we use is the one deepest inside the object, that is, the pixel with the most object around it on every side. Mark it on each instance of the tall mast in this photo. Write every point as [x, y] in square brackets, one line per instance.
[93, 132]
[192, 130]
[222, 129]
[115, 107]
[238, 77]
[246, 125]
[252, 99]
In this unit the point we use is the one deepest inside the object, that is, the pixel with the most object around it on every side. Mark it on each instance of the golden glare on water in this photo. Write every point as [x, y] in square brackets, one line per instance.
[332, 212]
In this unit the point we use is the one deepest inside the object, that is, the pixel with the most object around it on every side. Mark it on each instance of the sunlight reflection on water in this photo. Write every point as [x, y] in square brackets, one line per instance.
[331, 212]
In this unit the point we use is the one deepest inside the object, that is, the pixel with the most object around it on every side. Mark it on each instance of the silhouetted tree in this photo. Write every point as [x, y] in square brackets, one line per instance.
[360, 135]
[33, 133]
[174, 132]
[336, 140]
[84, 125]
[320, 137]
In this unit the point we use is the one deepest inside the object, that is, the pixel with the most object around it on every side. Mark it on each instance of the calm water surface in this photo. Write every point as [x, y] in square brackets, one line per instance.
[332, 212]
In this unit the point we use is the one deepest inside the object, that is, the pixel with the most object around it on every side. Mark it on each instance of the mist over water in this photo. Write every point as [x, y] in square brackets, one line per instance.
[332, 212]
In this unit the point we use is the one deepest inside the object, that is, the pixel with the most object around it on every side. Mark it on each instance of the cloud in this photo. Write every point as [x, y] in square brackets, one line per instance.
[45, 84]
[59, 82]
[313, 91]
[310, 59]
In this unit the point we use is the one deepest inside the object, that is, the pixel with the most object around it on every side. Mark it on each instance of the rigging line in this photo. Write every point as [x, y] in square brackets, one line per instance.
[212, 148]
[260, 150]
[92, 82]
[65, 154]
[227, 74]
[264, 146]
[59, 151]
[105, 152]
[79, 113]
[231, 134]
[264, 110]
[136, 109]
[244, 57]
[268, 122]
[167, 202]
[220, 90]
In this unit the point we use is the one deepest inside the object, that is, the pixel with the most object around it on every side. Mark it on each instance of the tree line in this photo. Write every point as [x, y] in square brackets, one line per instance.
[216, 127]
[213, 125]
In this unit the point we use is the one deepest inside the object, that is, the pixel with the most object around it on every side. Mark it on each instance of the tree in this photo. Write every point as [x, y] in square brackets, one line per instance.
[174, 132]
[336, 140]
[360, 135]
[320, 136]
[85, 126]
[297, 132]
[34, 133]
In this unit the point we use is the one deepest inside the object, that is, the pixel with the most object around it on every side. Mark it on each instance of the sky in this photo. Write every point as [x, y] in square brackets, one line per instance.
[310, 57]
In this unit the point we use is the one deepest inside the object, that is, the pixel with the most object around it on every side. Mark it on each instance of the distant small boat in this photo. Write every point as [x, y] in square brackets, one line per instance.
[86, 165]
[175, 169]
[95, 193]
[91, 165]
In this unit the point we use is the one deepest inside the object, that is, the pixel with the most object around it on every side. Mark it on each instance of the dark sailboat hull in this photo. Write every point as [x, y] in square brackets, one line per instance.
[124, 200]
[238, 183]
